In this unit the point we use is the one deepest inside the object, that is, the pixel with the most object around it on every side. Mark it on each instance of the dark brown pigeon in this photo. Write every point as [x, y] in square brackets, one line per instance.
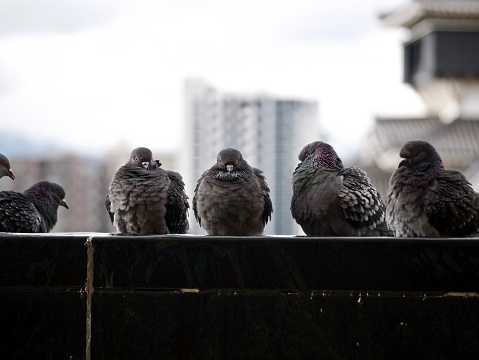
[34, 211]
[141, 199]
[426, 200]
[331, 200]
[5, 169]
[232, 198]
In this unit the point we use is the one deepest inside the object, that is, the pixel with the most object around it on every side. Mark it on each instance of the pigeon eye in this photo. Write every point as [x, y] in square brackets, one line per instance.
[136, 158]
[306, 155]
[415, 153]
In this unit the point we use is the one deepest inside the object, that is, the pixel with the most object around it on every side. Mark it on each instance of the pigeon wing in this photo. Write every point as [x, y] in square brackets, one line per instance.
[358, 200]
[18, 214]
[108, 208]
[195, 198]
[452, 205]
[176, 205]
[268, 205]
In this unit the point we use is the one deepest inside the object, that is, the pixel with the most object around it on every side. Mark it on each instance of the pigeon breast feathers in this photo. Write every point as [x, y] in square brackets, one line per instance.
[232, 198]
[145, 199]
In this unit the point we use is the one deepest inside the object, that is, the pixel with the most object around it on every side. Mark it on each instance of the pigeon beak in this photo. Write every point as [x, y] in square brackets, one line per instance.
[11, 174]
[229, 168]
[63, 203]
[145, 164]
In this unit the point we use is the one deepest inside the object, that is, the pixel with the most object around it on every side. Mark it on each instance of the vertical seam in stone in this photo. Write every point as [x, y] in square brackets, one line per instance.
[89, 294]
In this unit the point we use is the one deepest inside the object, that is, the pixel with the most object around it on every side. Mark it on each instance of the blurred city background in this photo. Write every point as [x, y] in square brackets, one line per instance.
[82, 83]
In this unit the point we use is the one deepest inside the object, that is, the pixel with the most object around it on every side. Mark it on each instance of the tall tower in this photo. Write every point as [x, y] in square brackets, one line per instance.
[268, 131]
[441, 57]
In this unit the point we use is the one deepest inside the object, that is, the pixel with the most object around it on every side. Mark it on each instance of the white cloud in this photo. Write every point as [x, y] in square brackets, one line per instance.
[122, 79]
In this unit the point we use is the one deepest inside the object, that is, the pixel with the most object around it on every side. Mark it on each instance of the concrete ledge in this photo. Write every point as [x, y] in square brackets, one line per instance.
[98, 296]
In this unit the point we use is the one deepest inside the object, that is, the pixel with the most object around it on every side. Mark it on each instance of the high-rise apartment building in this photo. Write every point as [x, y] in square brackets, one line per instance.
[269, 132]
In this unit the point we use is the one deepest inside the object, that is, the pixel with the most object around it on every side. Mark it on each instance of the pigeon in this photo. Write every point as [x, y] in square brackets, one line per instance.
[177, 205]
[5, 167]
[332, 200]
[232, 198]
[33, 211]
[144, 199]
[426, 200]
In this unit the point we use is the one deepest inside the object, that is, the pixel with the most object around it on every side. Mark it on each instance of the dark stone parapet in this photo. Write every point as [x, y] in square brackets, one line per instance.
[102, 296]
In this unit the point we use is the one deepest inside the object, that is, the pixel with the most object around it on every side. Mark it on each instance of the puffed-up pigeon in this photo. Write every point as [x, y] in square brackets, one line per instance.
[33, 211]
[426, 200]
[232, 198]
[144, 199]
[5, 169]
[332, 200]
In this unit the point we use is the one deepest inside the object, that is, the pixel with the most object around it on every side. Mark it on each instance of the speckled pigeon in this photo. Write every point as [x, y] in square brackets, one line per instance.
[140, 198]
[5, 167]
[332, 200]
[426, 200]
[232, 198]
[34, 211]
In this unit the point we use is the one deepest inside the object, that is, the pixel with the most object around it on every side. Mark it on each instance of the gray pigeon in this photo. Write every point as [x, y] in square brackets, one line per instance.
[426, 200]
[232, 198]
[331, 200]
[34, 211]
[5, 167]
[141, 199]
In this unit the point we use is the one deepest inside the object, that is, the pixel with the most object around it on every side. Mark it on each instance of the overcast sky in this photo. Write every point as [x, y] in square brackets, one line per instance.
[114, 70]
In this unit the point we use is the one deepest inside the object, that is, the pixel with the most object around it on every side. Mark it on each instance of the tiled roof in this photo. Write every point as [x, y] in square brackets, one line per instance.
[457, 142]
[418, 10]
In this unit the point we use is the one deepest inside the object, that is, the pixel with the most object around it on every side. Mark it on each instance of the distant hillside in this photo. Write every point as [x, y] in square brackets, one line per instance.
[15, 145]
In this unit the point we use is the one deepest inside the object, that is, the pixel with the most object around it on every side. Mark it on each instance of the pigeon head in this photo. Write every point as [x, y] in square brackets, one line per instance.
[321, 154]
[141, 156]
[230, 160]
[46, 197]
[58, 192]
[5, 168]
[421, 156]
[48, 193]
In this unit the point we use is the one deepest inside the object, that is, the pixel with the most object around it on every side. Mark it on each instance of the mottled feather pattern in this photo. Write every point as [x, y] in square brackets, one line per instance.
[18, 214]
[426, 200]
[331, 200]
[359, 201]
[452, 205]
[34, 211]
